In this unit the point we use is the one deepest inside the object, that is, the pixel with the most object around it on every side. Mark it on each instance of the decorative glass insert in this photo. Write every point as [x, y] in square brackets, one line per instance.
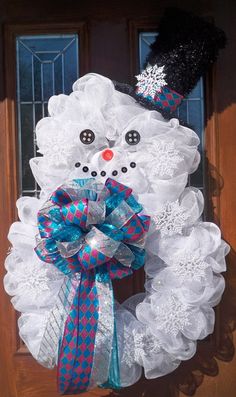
[191, 110]
[46, 65]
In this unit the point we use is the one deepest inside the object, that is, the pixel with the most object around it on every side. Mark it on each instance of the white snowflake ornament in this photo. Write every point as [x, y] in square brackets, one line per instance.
[172, 315]
[151, 81]
[57, 149]
[171, 219]
[189, 265]
[161, 158]
[145, 344]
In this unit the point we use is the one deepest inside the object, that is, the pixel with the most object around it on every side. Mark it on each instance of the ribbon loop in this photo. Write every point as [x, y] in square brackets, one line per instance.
[75, 213]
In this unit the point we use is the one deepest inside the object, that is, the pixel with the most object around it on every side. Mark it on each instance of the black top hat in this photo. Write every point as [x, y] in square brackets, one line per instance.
[184, 49]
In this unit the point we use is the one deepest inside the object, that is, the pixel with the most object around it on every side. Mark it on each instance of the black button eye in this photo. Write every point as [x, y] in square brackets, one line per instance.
[132, 137]
[87, 137]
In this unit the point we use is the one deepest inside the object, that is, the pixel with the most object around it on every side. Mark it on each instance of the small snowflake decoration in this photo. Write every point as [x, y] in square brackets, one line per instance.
[138, 345]
[151, 81]
[34, 281]
[57, 149]
[145, 344]
[161, 158]
[172, 316]
[190, 266]
[171, 219]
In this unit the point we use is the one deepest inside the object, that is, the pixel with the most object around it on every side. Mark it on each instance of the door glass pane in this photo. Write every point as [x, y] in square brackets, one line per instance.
[191, 110]
[46, 65]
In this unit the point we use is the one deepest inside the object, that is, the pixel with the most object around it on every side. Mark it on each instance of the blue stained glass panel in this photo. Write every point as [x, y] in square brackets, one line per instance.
[191, 110]
[46, 65]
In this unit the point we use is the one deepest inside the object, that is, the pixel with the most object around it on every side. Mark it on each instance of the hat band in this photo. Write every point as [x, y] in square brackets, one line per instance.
[166, 98]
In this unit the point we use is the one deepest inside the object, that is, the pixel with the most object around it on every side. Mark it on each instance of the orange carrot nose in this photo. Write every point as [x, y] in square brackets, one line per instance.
[107, 154]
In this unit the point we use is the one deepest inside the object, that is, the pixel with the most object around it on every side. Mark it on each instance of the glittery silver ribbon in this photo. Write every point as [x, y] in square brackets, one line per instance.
[105, 330]
[54, 328]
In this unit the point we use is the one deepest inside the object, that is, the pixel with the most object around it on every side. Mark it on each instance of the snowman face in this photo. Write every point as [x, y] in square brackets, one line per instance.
[99, 132]
[116, 158]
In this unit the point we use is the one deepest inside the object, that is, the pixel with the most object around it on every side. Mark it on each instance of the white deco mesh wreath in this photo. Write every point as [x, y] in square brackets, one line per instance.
[113, 195]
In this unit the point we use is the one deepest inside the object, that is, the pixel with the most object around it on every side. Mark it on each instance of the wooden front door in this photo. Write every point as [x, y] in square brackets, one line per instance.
[108, 35]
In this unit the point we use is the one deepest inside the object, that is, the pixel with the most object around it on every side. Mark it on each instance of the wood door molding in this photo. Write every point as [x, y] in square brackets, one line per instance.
[36, 28]
[213, 179]
[136, 26]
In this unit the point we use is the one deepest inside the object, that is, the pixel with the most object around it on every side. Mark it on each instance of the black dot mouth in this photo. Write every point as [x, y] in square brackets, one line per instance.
[103, 173]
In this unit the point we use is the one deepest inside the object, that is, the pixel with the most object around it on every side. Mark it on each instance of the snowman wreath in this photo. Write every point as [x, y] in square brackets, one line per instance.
[113, 172]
